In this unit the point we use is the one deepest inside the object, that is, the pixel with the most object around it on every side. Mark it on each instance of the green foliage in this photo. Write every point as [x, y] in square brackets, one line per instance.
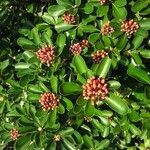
[120, 121]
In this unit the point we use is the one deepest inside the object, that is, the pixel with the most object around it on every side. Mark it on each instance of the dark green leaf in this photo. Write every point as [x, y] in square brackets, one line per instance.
[61, 40]
[63, 27]
[117, 104]
[56, 10]
[26, 44]
[139, 74]
[80, 64]
[119, 12]
[104, 67]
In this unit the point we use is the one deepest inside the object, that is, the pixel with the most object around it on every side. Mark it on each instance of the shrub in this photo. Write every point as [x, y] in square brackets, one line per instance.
[75, 75]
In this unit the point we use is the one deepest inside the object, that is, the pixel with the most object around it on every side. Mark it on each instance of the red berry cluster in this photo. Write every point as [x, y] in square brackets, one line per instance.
[77, 48]
[95, 89]
[14, 133]
[84, 43]
[46, 55]
[107, 29]
[49, 101]
[102, 2]
[129, 27]
[68, 18]
[98, 55]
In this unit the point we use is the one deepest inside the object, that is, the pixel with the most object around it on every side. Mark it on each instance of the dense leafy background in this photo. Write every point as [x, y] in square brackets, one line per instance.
[120, 122]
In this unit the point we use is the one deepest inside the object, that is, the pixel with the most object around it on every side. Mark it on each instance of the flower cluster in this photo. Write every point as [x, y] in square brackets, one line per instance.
[84, 43]
[77, 48]
[107, 29]
[14, 134]
[98, 55]
[57, 138]
[49, 101]
[129, 27]
[68, 18]
[102, 2]
[46, 55]
[95, 89]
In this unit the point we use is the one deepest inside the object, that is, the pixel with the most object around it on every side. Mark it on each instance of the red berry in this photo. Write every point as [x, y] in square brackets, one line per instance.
[76, 48]
[46, 55]
[49, 101]
[107, 29]
[129, 27]
[68, 18]
[84, 43]
[102, 2]
[98, 55]
[14, 133]
[95, 89]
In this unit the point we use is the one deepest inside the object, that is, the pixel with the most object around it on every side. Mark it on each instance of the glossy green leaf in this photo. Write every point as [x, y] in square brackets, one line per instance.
[102, 10]
[122, 42]
[89, 109]
[23, 143]
[66, 132]
[81, 79]
[88, 28]
[61, 109]
[34, 89]
[69, 88]
[114, 84]
[119, 12]
[135, 130]
[78, 137]
[28, 55]
[139, 5]
[139, 74]
[104, 67]
[52, 118]
[43, 87]
[117, 104]
[33, 97]
[61, 40]
[103, 144]
[80, 64]
[54, 83]
[26, 44]
[68, 144]
[119, 3]
[56, 10]
[105, 132]
[88, 9]
[77, 109]
[36, 36]
[68, 103]
[63, 27]
[88, 141]
[93, 38]
[145, 53]
[137, 41]
[97, 125]
[4, 64]
[144, 24]
[21, 66]
[48, 19]
[65, 3]
[81, 101]
[46, 38]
